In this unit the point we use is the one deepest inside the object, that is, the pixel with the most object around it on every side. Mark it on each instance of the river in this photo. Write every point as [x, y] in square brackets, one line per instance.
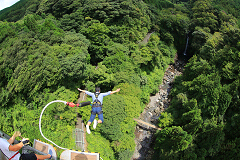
[144, 135]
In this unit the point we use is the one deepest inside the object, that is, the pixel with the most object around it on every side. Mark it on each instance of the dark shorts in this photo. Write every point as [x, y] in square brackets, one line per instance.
[30, 156]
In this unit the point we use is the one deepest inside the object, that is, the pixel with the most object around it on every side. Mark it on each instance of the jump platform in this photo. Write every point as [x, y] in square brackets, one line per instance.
[76, 155]
[44, 147]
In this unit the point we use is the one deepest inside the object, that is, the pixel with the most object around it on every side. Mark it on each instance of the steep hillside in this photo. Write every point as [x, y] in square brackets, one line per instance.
[49, 48]
[58, 46]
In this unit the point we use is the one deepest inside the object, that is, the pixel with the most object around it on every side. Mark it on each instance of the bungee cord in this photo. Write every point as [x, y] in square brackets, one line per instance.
[40, 119]
[66, 103]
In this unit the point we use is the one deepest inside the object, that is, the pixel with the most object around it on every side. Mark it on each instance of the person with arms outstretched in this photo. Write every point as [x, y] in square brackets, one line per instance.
[12, 151]
[97, 101]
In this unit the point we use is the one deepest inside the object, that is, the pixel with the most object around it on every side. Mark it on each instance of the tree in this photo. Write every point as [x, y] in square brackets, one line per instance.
[196, 67]
[212, 45]
[172, 139]
[231, 128]
[174, 26]
[97, 33]
[97, 143]
[193, 121]
[165, 120]
[229, 150]
[31, 23]
[114, 114]
[72, 22]
[124, 147]
[132, 109]
[203, 15]
[36, 73]
[199, 38]
[117, 58]
[211, 138]
[6, 30]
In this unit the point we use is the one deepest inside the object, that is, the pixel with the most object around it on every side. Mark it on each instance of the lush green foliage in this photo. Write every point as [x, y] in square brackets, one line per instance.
[49, 48]
[205, 98]
[53, 47]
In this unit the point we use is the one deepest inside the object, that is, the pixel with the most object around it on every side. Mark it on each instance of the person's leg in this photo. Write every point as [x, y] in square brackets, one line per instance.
[87, 127]
[49, 156]
[92, 117]
[89, 123]
[100, 115]
[95, 122]
[40, 157]
[33, 156]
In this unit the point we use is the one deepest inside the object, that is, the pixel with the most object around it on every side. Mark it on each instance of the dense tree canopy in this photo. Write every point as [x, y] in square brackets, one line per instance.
[205, 98]
[50, 48]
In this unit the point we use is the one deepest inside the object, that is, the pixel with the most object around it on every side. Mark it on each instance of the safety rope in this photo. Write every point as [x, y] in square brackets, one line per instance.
[41, 119]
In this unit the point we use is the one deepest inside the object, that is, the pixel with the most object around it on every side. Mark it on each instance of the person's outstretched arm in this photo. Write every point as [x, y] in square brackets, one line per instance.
[115, 91]
[81, 90]
[86, 92]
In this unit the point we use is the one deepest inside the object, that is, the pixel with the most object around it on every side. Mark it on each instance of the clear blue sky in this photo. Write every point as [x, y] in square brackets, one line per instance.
[7, 3]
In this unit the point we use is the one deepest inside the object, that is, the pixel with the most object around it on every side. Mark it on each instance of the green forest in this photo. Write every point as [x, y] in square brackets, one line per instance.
[49, 48]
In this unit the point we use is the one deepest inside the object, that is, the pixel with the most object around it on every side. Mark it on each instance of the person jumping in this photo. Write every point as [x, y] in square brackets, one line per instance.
[97, 101]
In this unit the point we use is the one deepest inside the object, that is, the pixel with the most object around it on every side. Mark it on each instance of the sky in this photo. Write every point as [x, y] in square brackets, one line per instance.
[7, 3]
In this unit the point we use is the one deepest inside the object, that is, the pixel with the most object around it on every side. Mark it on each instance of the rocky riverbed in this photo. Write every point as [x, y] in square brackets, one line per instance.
[144, 135]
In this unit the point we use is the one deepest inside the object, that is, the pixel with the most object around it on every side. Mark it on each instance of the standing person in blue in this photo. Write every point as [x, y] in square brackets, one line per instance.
[97, 99]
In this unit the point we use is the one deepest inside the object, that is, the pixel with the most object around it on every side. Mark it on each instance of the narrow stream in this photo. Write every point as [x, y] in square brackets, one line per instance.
[144, 135]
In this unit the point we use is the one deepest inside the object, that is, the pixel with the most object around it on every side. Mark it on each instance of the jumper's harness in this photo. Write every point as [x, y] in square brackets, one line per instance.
[96, 103]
